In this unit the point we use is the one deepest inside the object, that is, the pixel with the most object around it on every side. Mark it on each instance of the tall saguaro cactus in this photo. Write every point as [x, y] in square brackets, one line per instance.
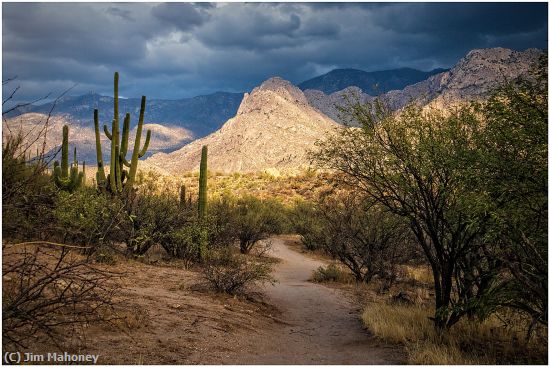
[118, 178]
[65, 180]
[203, 241]
[203, 183]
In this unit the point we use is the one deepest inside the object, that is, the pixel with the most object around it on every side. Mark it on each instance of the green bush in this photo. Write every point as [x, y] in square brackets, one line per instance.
[88, 218]
[306, 223]
[28, 194]
[155, 218]
[255, 220]
[330, 273]
[183, 243]
[227, 272]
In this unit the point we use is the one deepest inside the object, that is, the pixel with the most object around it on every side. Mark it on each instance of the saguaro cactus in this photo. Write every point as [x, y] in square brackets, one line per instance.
[203, 183]
[203, 242]
[62, 178]
[118, 178]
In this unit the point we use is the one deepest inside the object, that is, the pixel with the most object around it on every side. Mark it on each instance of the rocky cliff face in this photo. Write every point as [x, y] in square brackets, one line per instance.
[274, 129]
[331, 104]
[472, 78]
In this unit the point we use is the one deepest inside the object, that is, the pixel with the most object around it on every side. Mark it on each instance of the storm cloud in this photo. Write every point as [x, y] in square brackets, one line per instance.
[175, 50]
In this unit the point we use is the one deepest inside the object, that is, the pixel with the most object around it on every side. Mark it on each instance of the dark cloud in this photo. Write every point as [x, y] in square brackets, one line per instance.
[174, 50]
[182, 15]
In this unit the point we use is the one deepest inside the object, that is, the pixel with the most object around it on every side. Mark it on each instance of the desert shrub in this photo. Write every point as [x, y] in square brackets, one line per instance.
[361, 235]
[46, 290]
[255, 219]
[154, 218]
[512, 185]
[221, 231]
[89, 218]
[330, 273]
[227, 272]
[306, 223]
[28, 194]
[472, 182]
[183, 243]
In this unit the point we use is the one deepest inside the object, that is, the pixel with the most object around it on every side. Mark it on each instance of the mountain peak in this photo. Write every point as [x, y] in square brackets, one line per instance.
[266, 95]
[274, 129]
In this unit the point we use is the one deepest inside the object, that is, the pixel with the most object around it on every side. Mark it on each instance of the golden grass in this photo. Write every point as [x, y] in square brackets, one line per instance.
[421, 274]
[468, 342]
[286, 188]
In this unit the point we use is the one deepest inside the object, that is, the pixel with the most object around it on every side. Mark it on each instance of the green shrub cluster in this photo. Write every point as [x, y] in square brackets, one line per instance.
[471, 183]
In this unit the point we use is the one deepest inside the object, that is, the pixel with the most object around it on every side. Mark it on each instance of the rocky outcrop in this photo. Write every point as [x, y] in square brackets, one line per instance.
[472, 78]
[274, 129]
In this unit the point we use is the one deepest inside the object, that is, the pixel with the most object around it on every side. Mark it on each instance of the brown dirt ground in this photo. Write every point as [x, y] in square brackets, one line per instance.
[169, 321]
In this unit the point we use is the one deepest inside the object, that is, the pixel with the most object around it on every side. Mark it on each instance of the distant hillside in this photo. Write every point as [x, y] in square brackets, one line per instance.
[372, 83]
[273, 130]
[472, 78]
[199, 115]
[163, 138]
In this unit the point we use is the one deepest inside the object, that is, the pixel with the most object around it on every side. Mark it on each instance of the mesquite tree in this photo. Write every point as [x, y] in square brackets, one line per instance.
[416, 165]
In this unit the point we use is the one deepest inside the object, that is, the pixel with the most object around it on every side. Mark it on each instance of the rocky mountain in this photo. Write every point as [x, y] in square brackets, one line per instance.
[373, 83]
[273, 130]
[473, 77]
[198, 115]
[331, 104]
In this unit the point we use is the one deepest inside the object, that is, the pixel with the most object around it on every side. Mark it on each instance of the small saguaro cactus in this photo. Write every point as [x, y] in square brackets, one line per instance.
[203, 183]
[63, 179]
[118, 178]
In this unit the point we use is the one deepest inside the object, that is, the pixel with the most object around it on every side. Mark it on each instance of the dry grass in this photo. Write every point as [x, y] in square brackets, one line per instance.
[286, 188]
[331, 273]
[420, 274]
[468, 342]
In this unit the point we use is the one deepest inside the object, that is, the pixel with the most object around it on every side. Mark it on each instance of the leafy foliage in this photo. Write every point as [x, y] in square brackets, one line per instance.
[231, 273]
[471, 182]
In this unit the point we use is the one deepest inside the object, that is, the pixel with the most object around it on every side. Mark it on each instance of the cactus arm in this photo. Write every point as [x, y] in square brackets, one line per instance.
[112, 168]
[146, 145]
[126, 163]
[137, 141]
[107, 133]
[125, 134]
[99, 155]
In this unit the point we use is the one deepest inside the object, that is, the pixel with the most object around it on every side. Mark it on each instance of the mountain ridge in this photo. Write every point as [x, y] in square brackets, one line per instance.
[371, 82]
[472, 78]
[274, 129]
[199, 115]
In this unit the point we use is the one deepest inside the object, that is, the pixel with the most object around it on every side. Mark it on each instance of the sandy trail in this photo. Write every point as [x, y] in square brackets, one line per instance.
[322, 325]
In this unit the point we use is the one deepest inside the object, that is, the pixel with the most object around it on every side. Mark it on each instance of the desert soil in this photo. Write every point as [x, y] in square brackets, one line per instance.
[322, 324]
[169, 321]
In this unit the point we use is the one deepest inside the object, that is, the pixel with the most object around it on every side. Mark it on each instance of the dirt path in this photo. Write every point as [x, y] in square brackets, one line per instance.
[165, 321]
[322, 325]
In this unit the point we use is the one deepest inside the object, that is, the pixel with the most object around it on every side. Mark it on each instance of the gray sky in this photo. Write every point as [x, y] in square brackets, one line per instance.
[175, 50]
